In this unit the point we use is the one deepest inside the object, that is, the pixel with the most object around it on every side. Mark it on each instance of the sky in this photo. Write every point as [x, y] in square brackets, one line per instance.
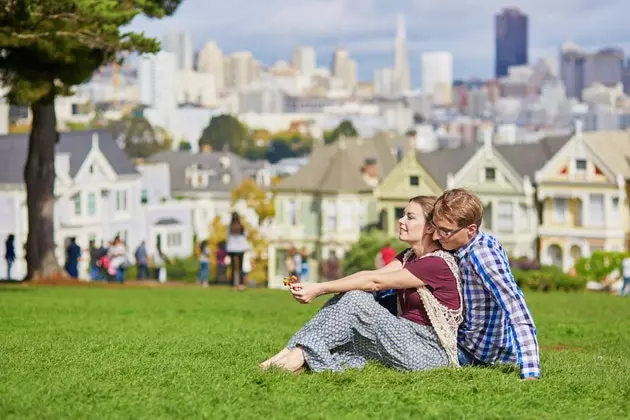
[367, 28]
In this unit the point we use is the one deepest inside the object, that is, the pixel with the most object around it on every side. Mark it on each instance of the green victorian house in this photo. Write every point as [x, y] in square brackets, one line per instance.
[495, 173]
[329, 201]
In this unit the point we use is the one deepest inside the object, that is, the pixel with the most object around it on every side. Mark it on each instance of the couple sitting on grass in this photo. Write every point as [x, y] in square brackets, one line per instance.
[458, 303]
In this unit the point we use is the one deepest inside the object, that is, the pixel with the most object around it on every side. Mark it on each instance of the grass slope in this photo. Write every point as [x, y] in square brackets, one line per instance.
[96, 352]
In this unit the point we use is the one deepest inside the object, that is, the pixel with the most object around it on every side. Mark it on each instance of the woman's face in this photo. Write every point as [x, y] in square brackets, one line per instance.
[412, 225]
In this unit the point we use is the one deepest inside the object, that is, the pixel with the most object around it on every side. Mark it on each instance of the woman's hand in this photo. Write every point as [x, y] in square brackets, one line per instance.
[305, 292]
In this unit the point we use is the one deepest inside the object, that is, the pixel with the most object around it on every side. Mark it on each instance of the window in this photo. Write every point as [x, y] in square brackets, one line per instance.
[121, 200]
[490, 174]
[144, 197]
[361, 210]
[91, 169]
[91, 204]
[486, 221]
[292, 212]
[414, 180]
[523, 218]
[399, 212]
[331, 215]
[505, 217]
[559, 210]
[614, 214]
[77, 204]
[580, 165]
[347, 220]
[174, 239]
[596, 209]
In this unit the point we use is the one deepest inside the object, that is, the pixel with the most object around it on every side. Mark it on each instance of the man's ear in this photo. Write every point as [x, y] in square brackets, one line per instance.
[472, 230]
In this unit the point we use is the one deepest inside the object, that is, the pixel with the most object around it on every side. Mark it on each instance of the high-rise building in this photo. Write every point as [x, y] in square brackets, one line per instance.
[402, 75]
[511, 40]
[384, 83]
[241, 69]
[437, 76]
[211, 61]
[580, 69]
[344, 68]
[180, 44]
[305, 60]
[157, 76]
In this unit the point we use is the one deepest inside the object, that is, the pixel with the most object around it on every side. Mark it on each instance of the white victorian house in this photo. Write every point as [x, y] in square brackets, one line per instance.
[99, 195]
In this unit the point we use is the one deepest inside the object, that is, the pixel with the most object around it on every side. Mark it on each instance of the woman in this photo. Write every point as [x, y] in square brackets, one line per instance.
[9, 254]
[117, 255]
[236, 247]
[353, 328]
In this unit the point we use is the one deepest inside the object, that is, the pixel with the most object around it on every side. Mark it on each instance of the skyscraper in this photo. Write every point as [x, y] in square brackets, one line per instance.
[511, 40]
[437, 76]
[402, 75]
[180, 44]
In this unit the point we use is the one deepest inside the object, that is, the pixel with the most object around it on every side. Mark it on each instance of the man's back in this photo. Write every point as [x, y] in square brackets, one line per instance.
[498, 326]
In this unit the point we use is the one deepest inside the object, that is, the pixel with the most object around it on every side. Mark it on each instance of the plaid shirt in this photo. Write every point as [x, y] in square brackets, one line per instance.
[498, 326]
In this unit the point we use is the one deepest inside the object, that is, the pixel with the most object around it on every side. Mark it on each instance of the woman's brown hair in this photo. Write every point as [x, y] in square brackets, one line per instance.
[427, 202]
[236, 227]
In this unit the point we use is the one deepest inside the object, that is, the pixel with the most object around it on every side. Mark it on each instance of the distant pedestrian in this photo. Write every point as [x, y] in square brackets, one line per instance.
[9, 254]
[73, 255]
[204, 264]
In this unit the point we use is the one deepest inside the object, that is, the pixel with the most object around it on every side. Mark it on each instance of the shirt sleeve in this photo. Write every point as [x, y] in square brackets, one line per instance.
[430, 270]
[492, 267]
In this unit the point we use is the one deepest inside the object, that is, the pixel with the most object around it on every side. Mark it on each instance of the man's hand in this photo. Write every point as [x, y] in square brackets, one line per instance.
[305, 292]
[530, 378]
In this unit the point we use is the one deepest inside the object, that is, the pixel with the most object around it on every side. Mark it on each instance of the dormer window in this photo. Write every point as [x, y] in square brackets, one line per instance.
[226, 178]
[224, 161]
[490, 174]
[414, 180]
[580, 165]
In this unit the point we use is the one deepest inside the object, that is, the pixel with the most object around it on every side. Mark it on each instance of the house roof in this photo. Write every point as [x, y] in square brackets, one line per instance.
[442, 162]
[14, 151]
[613, 147]
[238, 168]
[528, 158]
[336, 167]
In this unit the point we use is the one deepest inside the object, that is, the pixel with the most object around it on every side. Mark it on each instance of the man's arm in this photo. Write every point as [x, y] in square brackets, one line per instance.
[494, 269]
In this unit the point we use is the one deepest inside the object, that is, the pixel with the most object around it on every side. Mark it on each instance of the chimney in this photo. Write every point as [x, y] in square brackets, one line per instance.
[205, 148]
[94, 140]
[370, 172]
[412, 144]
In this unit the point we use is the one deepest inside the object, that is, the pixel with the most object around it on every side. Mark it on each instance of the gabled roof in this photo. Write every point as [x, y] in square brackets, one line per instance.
[442, 162]
[14, 151]
[238, 169]
[528, 158]
[336, 167]
[613, 148]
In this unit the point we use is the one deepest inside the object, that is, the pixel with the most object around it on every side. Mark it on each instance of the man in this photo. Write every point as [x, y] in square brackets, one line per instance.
[498, 326]
[142, 262]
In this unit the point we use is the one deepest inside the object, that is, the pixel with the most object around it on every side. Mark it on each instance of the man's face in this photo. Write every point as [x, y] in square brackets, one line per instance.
[451, 236]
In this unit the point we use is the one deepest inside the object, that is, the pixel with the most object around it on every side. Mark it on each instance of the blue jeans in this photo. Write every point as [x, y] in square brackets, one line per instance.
[95, 273]
[143, 271]
[203, 273]
[120, 275]
[9, 265]
[467, 359]
[624, 285]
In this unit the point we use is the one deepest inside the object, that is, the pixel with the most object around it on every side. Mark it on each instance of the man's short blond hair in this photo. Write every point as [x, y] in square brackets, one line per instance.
[459, 206]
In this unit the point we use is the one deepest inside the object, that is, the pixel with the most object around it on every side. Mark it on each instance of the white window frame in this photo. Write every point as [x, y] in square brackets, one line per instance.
[121, 200]
[505, 216]
[558, 216]
[331, 215]
[174, 239]
[523, 217]
[594, 207]
[76, 200]
[91, 200]
[347, 216]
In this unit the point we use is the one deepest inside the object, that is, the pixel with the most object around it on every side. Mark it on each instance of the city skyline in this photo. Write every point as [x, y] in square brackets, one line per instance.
[367, 28]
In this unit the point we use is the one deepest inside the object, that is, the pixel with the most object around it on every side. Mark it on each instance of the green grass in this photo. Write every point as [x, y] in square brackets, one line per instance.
[97, 352]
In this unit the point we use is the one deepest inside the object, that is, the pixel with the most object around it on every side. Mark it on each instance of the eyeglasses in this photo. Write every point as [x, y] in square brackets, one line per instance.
[445, 233]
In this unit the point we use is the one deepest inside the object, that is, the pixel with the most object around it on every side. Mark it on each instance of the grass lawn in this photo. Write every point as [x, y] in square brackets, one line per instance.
[115, 352]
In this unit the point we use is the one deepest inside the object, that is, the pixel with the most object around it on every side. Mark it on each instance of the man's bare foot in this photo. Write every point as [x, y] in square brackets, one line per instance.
[293, 361]
[274, 359]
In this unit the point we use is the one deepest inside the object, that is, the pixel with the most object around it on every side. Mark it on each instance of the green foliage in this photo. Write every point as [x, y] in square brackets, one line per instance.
[600, 264]
[140, 139]
[345, 128]
[362, 255]
[184, 146]
[548, 278]
[225, 132]
[177, 269]
[48, 46]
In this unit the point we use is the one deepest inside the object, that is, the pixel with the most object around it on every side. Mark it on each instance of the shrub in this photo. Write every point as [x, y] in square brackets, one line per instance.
[363, 253]
[548, 278]
[599, 265]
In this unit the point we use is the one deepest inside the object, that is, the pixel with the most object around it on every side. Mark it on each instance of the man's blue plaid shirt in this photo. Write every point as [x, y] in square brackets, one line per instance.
[498, 326]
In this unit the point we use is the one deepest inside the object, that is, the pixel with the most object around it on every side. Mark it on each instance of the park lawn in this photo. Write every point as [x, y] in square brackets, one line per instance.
[184, 352]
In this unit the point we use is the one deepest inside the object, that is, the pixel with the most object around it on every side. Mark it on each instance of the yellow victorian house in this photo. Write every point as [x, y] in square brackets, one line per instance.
[582, 195]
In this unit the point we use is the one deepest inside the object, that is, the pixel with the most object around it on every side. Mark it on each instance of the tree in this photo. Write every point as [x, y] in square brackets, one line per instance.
[225, 132]
[47, 47]
[345, 128]
[184, 146]
[255, 198]
[362, 255]
[218, 234]
[138, 138]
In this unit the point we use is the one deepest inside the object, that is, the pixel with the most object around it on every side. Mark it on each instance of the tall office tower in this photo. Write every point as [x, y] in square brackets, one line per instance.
[180, 44]
[211, 61]
[157, 76]
[437, 76]
[402, 75]
[511, 40]
[305, 60]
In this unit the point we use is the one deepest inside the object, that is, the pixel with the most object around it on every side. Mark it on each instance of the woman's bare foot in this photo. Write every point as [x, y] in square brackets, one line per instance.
[293, 361]
[274, 359]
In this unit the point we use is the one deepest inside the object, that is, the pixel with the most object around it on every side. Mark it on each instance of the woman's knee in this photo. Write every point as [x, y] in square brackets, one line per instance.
[358, 296]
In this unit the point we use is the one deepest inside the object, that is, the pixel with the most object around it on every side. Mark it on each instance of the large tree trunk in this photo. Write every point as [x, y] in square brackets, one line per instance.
[39, 175]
